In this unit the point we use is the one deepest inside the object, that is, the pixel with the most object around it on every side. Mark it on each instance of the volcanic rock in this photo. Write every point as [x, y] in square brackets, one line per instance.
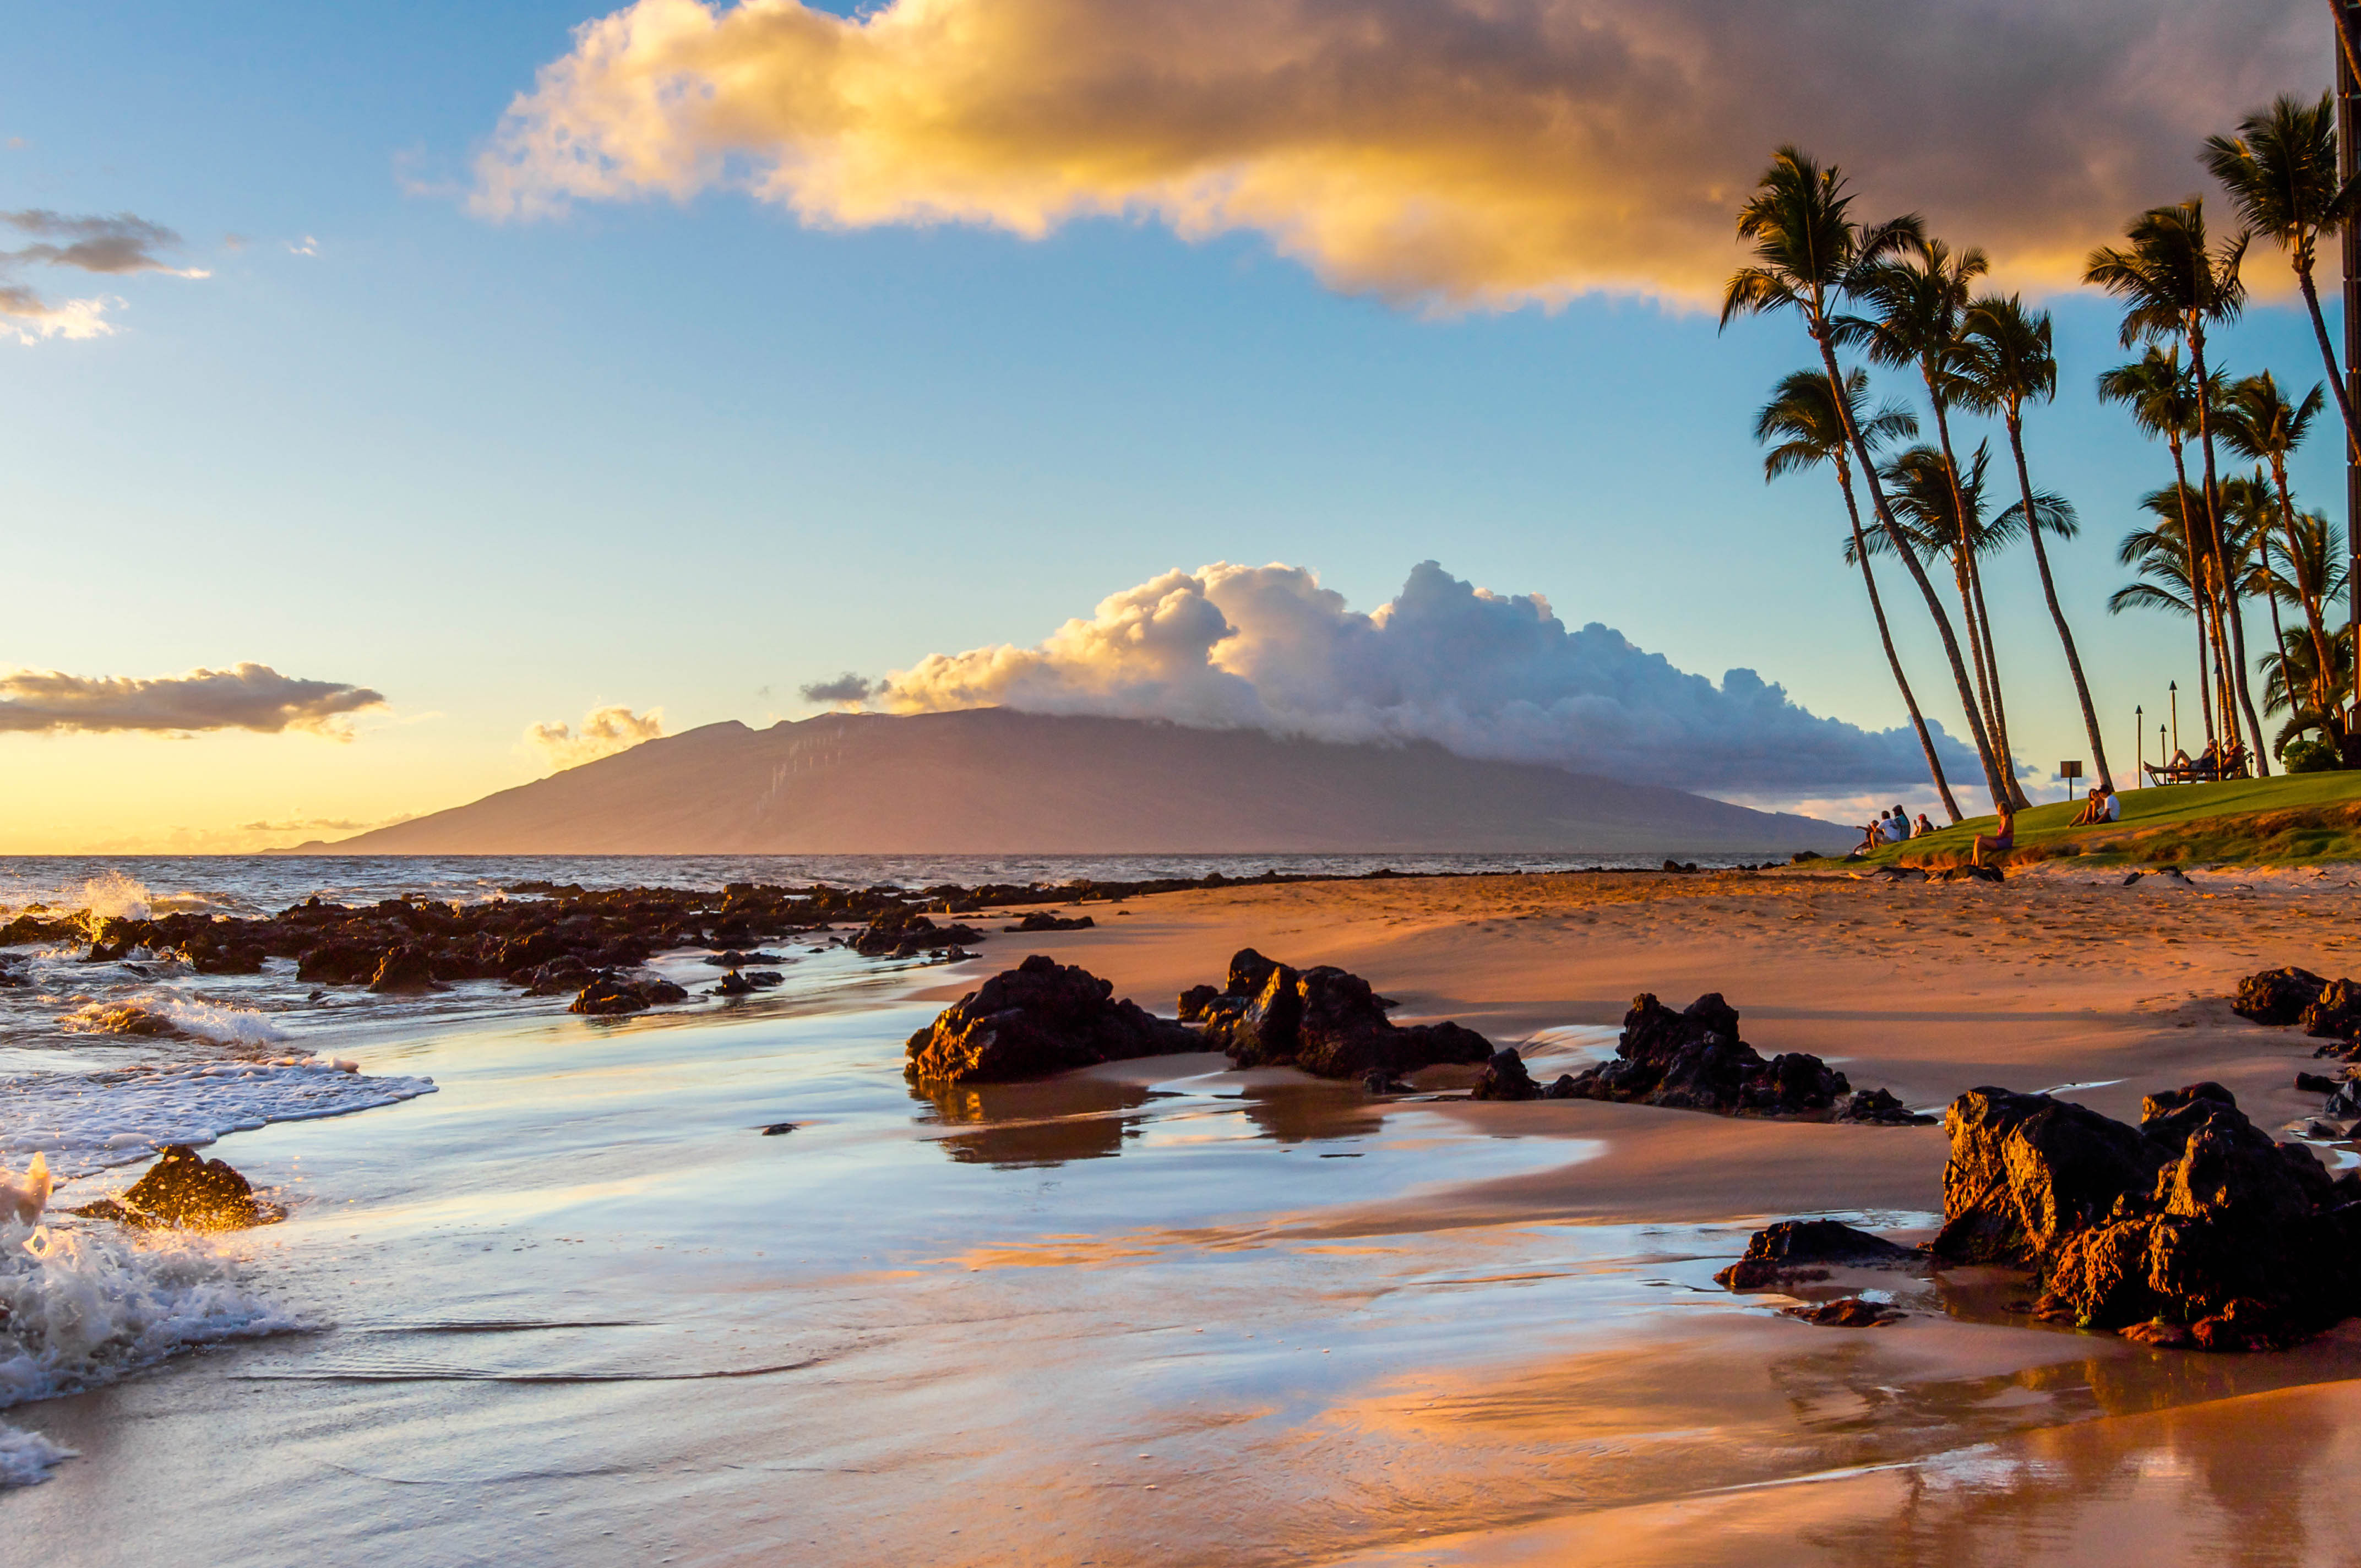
[1041, 921]
[1797, 1250]
[897, 933]
[1853, 1313]
[1506, 1077]
[1694, 1060]
[184, 1190]
[2195, 1218]
[1323, 1020]
[2278, 996]
[611, 991]
[403, 968]
[2336, 1015]
[1041, 1017]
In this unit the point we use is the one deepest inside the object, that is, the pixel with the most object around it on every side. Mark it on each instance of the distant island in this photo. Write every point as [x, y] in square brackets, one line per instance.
[993, 781]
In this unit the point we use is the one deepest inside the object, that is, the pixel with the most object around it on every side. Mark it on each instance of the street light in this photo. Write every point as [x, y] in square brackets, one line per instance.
[2173, 688]
[2139, 745]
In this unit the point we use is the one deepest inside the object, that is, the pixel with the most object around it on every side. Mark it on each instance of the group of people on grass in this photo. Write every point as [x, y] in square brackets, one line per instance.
[2100, 807]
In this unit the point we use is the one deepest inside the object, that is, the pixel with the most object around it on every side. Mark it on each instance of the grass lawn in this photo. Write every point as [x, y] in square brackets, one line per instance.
[2298, 820]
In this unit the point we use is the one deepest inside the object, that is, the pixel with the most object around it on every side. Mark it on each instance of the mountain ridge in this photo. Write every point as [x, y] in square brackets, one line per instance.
[993, 781]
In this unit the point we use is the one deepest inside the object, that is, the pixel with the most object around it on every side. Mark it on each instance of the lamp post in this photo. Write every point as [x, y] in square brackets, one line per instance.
[2172, 688]
[2139, 745]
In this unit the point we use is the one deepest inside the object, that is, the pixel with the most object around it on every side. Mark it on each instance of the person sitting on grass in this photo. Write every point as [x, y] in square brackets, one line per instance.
[1999, 842]
[2099, 809]
[1870, 840]
[1923, 829]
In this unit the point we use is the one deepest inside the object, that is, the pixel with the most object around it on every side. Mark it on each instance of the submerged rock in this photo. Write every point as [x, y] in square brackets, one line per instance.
[1794, 1251]
[2278, 996]
[1041, 1017]
[1324, 1020]
[611, 992]
[1853, 1313]
[1694, 1060]
[184, 1190]
[2195, 1219]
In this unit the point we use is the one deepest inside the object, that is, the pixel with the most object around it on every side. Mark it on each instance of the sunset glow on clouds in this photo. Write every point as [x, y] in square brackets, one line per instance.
[1448, 151]
[1484, 674]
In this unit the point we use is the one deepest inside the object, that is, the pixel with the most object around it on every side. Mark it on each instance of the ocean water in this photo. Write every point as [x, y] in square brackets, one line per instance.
[556, 1289]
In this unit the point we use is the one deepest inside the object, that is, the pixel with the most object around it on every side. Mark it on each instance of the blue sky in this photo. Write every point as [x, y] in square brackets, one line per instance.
[692, 456]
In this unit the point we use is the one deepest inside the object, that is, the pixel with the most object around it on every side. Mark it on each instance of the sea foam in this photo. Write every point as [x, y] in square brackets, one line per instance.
[83, 1308]
[88, 1121]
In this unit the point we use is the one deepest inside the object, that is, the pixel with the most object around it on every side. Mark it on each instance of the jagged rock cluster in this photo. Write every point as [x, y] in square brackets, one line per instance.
[2192, 1228]
[2325, 1009]
[1323, 1020]
[1799, 1251]
[1041, 1017]
[1694, 1060]
[184, 1190]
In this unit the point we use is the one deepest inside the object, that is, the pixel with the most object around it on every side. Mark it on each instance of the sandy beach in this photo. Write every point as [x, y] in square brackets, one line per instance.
[573, 1305]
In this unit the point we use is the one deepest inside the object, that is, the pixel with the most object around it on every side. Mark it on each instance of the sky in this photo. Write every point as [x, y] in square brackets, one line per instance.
[469, 390]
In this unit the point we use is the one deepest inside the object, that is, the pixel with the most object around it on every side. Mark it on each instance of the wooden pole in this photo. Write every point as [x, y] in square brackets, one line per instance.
[2348, 160]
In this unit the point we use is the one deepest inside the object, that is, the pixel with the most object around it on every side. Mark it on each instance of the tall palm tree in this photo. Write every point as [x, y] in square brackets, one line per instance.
[1943, 513]
[2280, 170]
[2162, 397]
[1807, 249]
[2174, 284]
[2008, 363]
[2177, 549]
[2258, 422]
[1915, 303]
[2252, 506]
[2296, 678]
[1805, 421]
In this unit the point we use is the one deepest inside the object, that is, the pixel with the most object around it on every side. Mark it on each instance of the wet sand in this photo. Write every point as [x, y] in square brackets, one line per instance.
[575, 1307]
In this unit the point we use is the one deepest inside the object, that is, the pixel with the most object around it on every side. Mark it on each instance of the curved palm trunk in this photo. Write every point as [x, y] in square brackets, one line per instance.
[1885, 637]
[1819, 332]
[2328, 355]
[1980, 642]
[2237, 642]
[2345, 37]
[2311, 610]
[2201, 596]
[2049, 593]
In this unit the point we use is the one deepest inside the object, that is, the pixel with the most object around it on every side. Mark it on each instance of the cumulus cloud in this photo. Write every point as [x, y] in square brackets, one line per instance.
[307, 825]
[1463, 152]
[109, 246]
[246, 697]
[604, 732]
[847, 687]
[1482, 673]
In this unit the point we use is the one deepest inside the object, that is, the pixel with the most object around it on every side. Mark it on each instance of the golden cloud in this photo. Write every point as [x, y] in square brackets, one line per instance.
[1461, 153]
[604, 732]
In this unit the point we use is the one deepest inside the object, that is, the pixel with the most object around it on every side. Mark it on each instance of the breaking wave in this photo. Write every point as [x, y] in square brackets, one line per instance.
[89, 1121]
[164, 1013]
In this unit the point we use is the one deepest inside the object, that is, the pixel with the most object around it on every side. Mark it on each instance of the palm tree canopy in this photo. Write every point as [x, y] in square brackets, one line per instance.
[2052, 514]
[2317, 564]
[1802, 411]
[2161, 391]
[1807, 245]
[2007, 360]
[1915, 301]
[2168, 275]
[2258, 422]
[2280, 170]
[1921, 496]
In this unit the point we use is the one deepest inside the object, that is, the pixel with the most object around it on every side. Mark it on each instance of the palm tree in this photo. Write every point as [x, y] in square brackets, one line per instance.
[1802, 413]
[2177, 551]
[1807, 249]
[2253, 510]
[2280, 170]
[2174, 284]
[2007, 363]
[1915, 303]
[2258, 422]
[2163, 399]
[1943, 513]
[2298, 678]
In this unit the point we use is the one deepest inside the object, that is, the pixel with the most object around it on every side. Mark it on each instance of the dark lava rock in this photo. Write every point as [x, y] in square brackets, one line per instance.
[1969, 873]
[1506, 1077]
[2314, 1084]
[734, 985]
[1852, 1312]
[897, 933]
[339, 963]
[1196, 999]
[184, 1190]
[1797, 1250]
[2336, 1015]
[556, 977]
[778, 1129]
[1694, 1060]
[1878, 1107]
[2195, 1218]
[610, 992]
[1040, 921]
[2278, 996]
[733, 959]
[404, 970]
[1379, 1081]
[1323, 1020]
[1041, 1017]
[1562, 1089]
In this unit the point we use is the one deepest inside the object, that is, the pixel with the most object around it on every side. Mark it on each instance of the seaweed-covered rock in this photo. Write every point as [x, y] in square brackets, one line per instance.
[1694, 1060]
[1324, 1020]
[1506, 1077]
[1041, 1017]
[1794, 1251]
[2196, 1220]
[184, 1190]
[2278, 996]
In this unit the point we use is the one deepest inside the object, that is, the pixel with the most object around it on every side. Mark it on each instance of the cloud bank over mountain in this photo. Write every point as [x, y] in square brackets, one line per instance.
[246, 697]
[1485, 676]
[1457, 152]
[604, 732]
